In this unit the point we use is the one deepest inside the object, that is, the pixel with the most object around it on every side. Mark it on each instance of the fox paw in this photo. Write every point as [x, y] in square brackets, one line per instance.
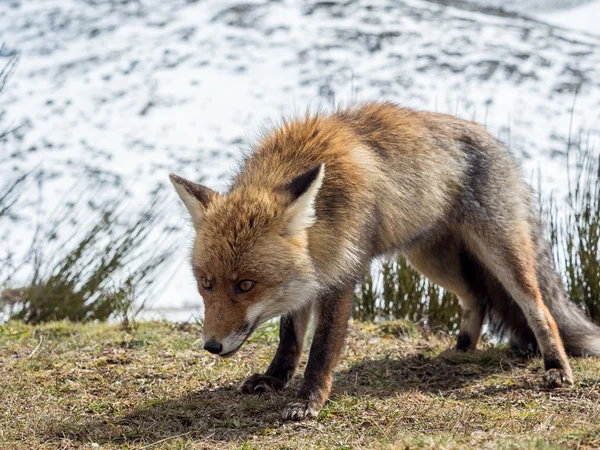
[300, 410]
[258, 383]
[464, 342]
[555, 378]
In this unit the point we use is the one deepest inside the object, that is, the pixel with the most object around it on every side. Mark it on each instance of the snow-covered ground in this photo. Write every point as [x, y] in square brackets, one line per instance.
[126, 92]
[585, 17]
[532, 7]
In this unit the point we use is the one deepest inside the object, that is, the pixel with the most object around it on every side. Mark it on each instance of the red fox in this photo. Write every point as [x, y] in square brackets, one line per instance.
[321, 196]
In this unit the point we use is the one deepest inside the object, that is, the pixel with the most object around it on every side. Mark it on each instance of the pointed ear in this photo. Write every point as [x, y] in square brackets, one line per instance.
[302, 192]
[195, 197]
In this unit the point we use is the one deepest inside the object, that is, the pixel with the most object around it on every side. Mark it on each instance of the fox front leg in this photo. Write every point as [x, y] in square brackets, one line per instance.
[332, 312]
[292, 330]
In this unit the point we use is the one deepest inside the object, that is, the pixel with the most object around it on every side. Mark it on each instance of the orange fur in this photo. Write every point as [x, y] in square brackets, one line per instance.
[321, 196]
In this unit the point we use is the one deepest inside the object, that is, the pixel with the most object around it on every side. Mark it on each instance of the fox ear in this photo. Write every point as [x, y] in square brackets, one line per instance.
[302, 192]
[195, 197]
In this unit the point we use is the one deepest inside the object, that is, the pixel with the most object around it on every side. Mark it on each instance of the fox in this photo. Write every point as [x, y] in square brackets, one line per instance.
[320, 196]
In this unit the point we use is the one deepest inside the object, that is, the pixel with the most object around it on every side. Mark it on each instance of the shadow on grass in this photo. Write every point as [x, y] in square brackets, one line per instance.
[224, 414]
[447, 372]
[220, 414]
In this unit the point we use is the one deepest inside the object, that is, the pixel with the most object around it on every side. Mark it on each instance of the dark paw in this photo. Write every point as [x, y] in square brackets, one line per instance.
[555, 378]
[464, 343]
[300, 410]
[259, 383]
[521, 352]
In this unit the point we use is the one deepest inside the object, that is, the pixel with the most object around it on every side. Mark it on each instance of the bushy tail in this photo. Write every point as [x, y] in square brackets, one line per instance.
[580, 335]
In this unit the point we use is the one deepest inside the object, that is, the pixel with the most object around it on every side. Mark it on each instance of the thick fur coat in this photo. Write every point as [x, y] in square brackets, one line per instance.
[320, 197]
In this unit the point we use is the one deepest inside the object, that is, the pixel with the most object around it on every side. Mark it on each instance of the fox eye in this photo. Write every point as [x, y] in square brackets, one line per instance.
[245, 286]
[206, 284]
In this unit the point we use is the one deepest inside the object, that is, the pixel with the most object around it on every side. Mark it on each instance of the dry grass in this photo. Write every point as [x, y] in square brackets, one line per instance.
[97, 386]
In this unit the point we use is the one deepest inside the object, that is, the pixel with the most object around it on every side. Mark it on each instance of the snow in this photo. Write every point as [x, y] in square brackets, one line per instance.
[531, 7]
[584, 18]
[123, 93]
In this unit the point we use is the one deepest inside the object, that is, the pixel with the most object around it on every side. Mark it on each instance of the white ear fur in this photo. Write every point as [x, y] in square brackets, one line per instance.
[301, 213]
[193, 205]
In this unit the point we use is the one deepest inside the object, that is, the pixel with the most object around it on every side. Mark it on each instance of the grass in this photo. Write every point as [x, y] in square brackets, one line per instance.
[9, 194]
[5, 72]
[400, 292]
[99, 271]
[95, 385]
[581, 238]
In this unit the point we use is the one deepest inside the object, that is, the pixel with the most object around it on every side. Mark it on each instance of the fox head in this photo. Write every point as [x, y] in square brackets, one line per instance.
[250, 254]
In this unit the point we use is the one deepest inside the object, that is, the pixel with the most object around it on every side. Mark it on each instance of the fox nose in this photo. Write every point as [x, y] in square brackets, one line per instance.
[213, 347]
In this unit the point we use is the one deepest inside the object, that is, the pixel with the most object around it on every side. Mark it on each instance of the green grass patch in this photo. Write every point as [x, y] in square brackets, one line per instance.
[94, 385]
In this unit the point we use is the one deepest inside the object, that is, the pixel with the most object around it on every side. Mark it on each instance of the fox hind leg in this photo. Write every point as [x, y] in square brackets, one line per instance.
[444, 263]
[510, 257]
[470, 324]
[292, 330]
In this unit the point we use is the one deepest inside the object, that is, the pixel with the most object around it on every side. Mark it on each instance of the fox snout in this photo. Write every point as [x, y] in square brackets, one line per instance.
[216, 348]
[227, 346]
[222, 340]
[213, 347]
